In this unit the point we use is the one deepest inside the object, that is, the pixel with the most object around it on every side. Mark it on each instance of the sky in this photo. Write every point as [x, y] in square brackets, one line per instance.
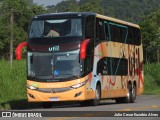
[47, 2]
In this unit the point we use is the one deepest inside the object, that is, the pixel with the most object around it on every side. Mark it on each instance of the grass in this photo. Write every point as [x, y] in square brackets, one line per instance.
[13, 80]
[13, 84]
[152, 79]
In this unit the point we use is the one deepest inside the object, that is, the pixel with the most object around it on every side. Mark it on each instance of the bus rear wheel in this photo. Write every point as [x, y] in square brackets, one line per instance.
[133, 94]
[126, 99]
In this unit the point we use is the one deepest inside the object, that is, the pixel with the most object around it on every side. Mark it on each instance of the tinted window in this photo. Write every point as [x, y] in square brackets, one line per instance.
[107, 30]
[112, 66]
[100, 34]
[90, 20]
[134, 36]
[55, 28]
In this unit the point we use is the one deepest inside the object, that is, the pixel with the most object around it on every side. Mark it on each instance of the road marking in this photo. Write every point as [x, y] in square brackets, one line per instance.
[155, 106]
[127, 109]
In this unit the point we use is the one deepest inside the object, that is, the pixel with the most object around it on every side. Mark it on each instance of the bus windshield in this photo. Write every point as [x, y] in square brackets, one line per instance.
[56, 28]
[53, 66]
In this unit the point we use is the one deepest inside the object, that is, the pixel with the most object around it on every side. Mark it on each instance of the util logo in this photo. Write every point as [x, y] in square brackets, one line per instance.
[54, 48]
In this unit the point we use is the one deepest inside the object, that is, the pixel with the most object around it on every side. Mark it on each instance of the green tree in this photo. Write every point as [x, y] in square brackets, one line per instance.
[92, 6]
[14, 21]
[150, 29]
[64, 6]
[75, 6]
[129, 10]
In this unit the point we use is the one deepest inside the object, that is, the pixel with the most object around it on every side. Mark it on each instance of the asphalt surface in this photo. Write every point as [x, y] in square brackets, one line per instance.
[105, 111]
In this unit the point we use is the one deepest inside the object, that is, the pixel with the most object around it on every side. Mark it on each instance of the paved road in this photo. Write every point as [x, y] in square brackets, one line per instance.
[143, 103]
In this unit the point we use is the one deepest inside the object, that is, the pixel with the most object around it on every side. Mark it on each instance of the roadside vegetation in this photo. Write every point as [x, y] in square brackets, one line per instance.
[152, 79]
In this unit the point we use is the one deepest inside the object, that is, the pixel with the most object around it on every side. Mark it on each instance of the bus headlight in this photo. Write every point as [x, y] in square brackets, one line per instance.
[31, 87]
[78, 85]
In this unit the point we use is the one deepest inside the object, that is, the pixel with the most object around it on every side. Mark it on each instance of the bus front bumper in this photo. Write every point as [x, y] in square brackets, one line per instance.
[78, 94]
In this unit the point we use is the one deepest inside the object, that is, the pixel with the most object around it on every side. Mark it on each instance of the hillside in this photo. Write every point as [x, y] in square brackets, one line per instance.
[130, 10]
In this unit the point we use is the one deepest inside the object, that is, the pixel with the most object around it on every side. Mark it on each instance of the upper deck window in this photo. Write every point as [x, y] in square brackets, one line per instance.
[56, 28]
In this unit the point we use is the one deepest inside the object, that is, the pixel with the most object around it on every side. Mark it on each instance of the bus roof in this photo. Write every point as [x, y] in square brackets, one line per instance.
[78, 14]
[65, 14]
[117, 20]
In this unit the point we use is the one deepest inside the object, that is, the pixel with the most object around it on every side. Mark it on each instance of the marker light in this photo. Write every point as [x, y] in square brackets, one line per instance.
[31, 87]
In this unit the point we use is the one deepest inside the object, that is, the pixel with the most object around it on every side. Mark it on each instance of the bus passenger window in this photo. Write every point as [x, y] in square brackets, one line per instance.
[89, 32]
[137, 36]
[124, 35]
[134, 36]
[102, 66]
[112, 66]
[100, 33]
[106, 30]
[130, 35]
[118, 33]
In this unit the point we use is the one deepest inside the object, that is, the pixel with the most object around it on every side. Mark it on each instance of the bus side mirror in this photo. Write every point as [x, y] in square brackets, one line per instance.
[19, 50]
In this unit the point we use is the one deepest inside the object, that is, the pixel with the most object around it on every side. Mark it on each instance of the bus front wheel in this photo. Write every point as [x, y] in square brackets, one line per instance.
[95, 101]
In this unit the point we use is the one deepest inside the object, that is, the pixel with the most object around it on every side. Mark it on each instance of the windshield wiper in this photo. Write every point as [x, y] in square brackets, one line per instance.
[43, 77]
[70, 75]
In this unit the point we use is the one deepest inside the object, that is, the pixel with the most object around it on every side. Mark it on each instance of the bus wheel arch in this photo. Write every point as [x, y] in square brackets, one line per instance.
[97, 98]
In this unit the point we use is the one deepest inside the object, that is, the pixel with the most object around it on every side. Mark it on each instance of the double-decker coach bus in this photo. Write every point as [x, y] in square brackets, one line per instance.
[83, 56]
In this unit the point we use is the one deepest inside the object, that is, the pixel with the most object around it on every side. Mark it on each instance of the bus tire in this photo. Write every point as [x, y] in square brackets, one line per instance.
[133, 94]
[46, 104]
[127, 99]
[95, 101]
[97, 96]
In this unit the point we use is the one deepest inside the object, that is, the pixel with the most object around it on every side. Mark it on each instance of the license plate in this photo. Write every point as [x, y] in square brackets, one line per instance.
[54, 99]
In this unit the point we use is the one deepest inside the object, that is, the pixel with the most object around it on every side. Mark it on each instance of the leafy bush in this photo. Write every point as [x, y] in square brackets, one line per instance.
[154, 71]
[152, 78]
